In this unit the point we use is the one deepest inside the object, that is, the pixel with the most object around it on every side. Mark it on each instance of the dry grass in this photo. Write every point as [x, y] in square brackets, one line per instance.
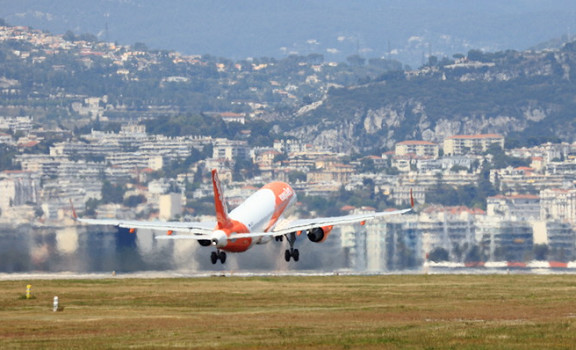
[375, 312]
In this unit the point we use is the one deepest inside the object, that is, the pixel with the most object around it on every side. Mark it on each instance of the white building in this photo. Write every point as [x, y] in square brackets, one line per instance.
[516, 207]
[418, 148]
[18, 188]
[558, 204]
[230, 150]
[475, 144]
[170, 206]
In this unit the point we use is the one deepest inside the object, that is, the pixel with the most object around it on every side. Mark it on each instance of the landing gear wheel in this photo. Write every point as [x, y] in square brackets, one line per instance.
[291, 253]
[215, 256]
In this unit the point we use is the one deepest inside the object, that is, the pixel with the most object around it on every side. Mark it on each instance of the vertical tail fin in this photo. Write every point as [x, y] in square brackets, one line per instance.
[74, 215]
[219, 202]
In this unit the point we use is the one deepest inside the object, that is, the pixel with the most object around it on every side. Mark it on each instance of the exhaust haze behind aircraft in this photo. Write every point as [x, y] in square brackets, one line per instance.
[258, 220]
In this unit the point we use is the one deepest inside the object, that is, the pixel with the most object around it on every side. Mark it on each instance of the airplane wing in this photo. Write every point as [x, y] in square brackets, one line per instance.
[198, 228]
[307, 224]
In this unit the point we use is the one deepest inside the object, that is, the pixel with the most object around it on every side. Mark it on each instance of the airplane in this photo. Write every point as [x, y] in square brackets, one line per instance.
[258, 220]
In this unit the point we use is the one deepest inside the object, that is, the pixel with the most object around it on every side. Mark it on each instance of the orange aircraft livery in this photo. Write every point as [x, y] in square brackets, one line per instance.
[256, 221]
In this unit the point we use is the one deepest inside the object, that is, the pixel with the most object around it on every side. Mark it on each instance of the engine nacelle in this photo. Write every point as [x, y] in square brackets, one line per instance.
[219, 239]
[205, 242]
[319, 234]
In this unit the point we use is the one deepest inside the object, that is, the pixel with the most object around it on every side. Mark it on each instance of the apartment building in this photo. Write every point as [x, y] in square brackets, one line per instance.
[170, 205]
[23, 124]
[560, 237]
[471, 144]
[523, 180]
[383, 245]
[505, 240]
[558, 204]
[289, 146]
[18, 188]
[450, 228]
[6, 138]
[418, 148]
[230, 149]
[78, 148]
[514, 207]
[339, 173]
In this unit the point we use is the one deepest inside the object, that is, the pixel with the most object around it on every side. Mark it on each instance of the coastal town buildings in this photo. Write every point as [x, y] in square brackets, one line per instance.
[526, 206]
[537, 205]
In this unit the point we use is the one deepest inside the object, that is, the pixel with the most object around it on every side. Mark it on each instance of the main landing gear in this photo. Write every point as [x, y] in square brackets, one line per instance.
[218, 255]
[291, 253]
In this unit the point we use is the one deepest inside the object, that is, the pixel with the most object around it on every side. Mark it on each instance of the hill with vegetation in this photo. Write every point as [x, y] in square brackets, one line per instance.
[362, 106]
[76, 79]
[527, 96]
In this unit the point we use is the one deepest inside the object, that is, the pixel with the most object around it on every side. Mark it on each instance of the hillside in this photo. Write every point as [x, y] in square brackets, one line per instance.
[519, 94]
[397, 29]
[365, 106]
[73, 77]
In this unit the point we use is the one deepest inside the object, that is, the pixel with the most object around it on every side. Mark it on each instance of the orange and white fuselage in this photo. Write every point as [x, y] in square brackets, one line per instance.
[255, 221]
[259, 213]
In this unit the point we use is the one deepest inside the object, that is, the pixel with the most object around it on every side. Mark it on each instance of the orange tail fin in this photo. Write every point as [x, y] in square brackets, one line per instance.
[74, 215]
[219, 202]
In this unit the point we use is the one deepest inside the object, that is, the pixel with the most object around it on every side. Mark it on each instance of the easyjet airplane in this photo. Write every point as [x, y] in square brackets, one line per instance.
[256, 221]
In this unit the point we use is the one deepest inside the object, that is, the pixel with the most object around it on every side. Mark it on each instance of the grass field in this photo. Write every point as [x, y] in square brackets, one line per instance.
[337, 312]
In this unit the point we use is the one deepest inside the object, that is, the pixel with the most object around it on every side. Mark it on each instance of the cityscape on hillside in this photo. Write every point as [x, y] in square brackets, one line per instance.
[478, 202]
[512, 227]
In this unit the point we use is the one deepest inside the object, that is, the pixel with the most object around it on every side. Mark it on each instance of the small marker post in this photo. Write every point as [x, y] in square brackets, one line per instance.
[55, 304]
[29, 291]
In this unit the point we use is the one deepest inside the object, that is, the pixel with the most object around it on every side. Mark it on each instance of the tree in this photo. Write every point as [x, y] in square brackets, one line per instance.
[367, 166]
[133, 201]
[356, 60]
[91, 205]
[244, 169]
[541, 252]
[38, 212]
[439, 254]
[476, 55]
[69, 36]
[112, 193]
[474, 255]
[7, 153]
[315, 58]
[140, 47]
[501, 160]
[296, 176]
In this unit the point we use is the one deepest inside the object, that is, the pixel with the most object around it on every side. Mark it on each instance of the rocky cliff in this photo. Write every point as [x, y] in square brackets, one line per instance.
[517, 94]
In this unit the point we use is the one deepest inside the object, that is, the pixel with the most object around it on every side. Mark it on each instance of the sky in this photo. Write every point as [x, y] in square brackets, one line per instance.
[406, 30]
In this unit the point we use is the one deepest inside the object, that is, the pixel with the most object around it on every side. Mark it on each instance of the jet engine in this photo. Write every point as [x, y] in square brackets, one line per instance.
[219, 238]
[205, 242]
[319, 234]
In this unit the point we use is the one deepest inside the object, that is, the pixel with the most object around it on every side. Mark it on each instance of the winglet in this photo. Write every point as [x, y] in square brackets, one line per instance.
[219, 202]
[411, 199]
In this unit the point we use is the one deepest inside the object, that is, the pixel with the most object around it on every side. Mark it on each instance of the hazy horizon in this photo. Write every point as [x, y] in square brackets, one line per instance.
[406, 31]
